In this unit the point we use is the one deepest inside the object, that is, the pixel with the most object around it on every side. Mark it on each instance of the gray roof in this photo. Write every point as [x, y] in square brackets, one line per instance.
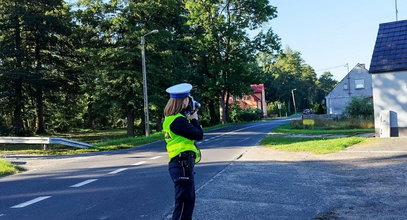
[390, 51]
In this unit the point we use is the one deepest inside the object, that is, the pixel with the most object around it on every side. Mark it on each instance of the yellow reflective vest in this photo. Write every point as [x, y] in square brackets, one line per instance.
[176, 143]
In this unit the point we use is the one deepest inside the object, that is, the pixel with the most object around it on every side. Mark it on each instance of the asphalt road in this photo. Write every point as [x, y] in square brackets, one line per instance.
[126, 184]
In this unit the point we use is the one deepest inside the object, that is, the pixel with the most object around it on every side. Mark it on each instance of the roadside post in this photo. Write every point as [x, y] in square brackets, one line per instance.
[279, 108]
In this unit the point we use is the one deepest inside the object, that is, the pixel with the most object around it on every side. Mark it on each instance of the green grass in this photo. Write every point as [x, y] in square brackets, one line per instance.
[121, 143]
[314, 145]
[286, 128]
[7, 168]
[129, 142]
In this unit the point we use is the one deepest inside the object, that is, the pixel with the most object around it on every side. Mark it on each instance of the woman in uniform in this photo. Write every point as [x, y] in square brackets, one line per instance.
[182, 129]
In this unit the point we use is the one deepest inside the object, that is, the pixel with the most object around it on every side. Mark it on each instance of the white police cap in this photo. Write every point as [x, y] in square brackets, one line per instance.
[180, 90]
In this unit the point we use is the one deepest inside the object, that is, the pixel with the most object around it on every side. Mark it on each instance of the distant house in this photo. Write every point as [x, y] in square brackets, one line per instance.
[256, 99]
[389, 74]
[357, 83]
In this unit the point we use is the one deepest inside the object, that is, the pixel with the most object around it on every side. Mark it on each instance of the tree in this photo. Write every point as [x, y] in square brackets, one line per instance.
[36, 54]
[325, 85]
[287, 72]
[113, 32]
[227, 54]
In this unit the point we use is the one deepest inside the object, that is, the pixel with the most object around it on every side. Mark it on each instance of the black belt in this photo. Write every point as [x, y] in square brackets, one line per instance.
[183, 156]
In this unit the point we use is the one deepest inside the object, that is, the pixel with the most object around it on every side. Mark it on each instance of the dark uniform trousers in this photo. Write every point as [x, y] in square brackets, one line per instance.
[183, 178]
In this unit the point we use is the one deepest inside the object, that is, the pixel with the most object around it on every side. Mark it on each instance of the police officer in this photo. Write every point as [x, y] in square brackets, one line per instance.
[182, 129]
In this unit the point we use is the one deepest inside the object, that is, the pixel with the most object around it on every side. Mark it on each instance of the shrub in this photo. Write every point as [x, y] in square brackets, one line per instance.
[360, 107]
[252, 114]
[319, 109]
[344, 123]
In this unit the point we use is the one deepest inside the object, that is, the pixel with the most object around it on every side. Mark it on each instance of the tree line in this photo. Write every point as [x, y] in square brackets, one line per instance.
[77, 64]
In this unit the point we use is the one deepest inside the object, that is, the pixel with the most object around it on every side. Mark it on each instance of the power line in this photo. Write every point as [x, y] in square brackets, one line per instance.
[334, 67]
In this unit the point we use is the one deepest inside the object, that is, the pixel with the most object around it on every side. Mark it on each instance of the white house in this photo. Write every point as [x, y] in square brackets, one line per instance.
[389, 76]
[357, 83]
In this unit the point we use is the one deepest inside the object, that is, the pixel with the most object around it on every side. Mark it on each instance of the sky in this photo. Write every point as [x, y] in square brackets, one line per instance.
[332, 33]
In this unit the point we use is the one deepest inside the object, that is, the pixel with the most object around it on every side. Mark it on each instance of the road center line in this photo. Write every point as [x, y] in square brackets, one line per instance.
[156, 157]
[84, 183]
[138, 163]
[24, 204]
[118, 170]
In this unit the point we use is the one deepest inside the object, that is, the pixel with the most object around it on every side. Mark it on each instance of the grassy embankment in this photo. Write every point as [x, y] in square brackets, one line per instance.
[7, 168]
[320, 143]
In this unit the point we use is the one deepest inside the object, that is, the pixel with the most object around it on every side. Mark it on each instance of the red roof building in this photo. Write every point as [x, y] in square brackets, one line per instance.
[257, 99]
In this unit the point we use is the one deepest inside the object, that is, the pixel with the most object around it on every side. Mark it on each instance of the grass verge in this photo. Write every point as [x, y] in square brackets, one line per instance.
[286, 128]
[314, 145]
[121, 143]
[7, 168]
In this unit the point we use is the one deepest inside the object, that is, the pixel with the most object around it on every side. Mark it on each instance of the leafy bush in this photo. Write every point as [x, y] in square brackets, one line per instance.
[252, 114]
[319, 109]
[360, 107]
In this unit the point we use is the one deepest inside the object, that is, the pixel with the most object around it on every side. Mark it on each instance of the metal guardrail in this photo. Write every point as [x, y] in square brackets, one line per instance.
[44, 141]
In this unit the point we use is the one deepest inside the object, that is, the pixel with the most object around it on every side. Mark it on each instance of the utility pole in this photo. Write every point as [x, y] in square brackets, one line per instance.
[143, 65]
[292, 93]
[397, 11]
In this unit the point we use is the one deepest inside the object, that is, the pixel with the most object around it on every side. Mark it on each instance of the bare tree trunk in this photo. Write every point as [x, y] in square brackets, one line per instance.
[222, 108]
[227, 107]
[18, 106]
[39, 94]
[212, 112]
[40, 112]
[130, 123]
[18, 85]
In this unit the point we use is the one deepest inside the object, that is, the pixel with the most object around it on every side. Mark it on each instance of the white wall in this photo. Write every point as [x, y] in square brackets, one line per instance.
[390, 94]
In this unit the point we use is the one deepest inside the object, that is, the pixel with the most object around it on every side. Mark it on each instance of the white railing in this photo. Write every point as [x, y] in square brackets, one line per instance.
[44, 141]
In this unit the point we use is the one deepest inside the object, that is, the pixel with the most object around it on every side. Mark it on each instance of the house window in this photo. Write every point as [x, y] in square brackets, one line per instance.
[345, 86]
[359, 84]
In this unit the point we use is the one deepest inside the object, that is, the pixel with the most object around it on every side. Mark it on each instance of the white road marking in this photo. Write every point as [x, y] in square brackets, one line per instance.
[84, 183]
[199, 142]
[156, 157]
[138, 163]
[24, 204]
[118, 170]
[1, 215]
[244, 139]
